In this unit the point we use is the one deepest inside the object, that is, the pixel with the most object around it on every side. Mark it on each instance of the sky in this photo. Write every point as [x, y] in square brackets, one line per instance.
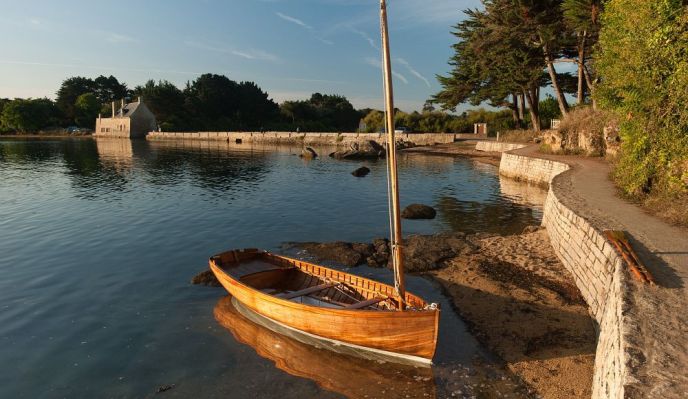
[290, 48]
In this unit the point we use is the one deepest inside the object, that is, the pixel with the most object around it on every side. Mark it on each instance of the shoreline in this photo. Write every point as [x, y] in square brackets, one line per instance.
[45, 136]
[516, 297]
[522, 305]
[464, 149]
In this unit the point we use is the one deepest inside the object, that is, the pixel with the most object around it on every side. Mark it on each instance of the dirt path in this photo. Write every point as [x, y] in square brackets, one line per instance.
[520, 302]
[659, 312]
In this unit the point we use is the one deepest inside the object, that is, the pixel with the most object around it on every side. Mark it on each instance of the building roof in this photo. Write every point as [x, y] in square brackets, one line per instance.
[128, 109]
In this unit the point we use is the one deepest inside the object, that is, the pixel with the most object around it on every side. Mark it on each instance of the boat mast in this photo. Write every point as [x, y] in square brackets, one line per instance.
[397, 255]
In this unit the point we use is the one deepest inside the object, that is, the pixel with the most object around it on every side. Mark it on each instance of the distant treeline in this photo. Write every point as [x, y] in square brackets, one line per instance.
[217, 103]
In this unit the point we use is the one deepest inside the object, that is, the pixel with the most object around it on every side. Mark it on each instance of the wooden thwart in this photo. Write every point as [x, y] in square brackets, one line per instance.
[620, 241]
[307, 291]
[365, 304]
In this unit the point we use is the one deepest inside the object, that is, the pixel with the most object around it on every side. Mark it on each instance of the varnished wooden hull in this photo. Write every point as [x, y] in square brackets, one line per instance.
[411, 333]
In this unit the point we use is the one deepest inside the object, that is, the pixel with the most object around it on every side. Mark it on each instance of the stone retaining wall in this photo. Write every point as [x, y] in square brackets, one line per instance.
[598, 270]
[532, 170]
[496, 146]
[311, 139]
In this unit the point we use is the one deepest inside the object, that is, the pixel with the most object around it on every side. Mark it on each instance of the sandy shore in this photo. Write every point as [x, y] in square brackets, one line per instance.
[464, 149]
[514, 294]
[522, 304]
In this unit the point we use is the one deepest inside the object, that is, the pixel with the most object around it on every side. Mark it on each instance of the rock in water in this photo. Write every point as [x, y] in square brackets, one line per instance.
[365, 150]
[360, 172]
[418, 211]
[308, 153]
[206, 278]
[344, 253]
[380, 256]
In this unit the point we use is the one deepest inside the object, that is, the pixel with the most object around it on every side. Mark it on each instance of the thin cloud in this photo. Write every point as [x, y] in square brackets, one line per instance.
[294, 20]
[304, 25]
[377, 64]
[250, 54]
[365, 36]
[113, 37]
[413, 71]
[254, 54]
[328, 42]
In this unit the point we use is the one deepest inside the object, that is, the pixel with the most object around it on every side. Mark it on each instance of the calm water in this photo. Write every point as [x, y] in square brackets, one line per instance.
[98, 241]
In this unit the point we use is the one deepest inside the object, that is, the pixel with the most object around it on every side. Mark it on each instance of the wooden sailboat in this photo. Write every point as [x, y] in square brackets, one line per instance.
[333, 305]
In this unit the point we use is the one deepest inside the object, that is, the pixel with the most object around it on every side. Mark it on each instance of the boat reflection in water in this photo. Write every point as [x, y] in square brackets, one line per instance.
[346, 374]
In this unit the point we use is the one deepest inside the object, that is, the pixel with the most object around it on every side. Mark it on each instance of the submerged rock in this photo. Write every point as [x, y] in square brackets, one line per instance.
[206, 278]
[164, 388]
[360, 172]
[308, 153]
[418, 211]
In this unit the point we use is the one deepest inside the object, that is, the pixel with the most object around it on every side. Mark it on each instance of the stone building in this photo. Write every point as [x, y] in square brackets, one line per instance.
[133, 120]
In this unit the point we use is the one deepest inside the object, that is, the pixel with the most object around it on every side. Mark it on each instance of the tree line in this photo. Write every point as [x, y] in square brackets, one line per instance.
[217, 103]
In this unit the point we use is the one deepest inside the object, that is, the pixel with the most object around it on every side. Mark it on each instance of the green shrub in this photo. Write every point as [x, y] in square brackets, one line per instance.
[643, 67]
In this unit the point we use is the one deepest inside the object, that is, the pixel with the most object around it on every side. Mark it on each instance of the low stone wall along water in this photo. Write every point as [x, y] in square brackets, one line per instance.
[311, 139]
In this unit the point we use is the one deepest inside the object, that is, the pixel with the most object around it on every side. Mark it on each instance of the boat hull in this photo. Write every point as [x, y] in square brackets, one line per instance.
[411, 333]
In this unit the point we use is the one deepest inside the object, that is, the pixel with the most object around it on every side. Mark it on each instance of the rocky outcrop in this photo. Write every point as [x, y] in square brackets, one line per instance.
[360, 172]
[421, 253]
[418, 211]
[345, 253]
[206, 278]
[366, 150]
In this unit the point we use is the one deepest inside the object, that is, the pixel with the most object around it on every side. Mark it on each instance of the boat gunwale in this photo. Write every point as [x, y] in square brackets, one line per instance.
[344, 312]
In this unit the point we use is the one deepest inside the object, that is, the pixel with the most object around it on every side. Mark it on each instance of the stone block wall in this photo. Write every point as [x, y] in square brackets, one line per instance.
[599, 274]
[496, 146]
[310, 139]
[598, 270]
[529, 169]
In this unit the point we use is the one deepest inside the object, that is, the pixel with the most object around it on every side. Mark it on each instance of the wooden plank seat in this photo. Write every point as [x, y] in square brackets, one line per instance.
[306, 291]
[365, 304]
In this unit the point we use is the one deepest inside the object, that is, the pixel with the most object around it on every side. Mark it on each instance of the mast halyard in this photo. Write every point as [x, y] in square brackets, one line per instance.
[396, 237]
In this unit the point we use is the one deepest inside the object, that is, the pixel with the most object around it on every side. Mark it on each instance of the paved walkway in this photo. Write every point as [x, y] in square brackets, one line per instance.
[662, 310]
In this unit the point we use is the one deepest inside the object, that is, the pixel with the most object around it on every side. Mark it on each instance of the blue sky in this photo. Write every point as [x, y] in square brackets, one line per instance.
[291, 48]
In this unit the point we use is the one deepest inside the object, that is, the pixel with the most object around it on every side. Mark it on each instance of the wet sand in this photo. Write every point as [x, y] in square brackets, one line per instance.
[521, 303]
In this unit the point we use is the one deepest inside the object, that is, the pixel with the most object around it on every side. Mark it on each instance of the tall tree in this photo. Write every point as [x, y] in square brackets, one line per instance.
[539, 23]
[492, 62]
[86, 108]
[69, 91]
[212, 101]
[166, 102]
[108, 89]
[583, 18]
